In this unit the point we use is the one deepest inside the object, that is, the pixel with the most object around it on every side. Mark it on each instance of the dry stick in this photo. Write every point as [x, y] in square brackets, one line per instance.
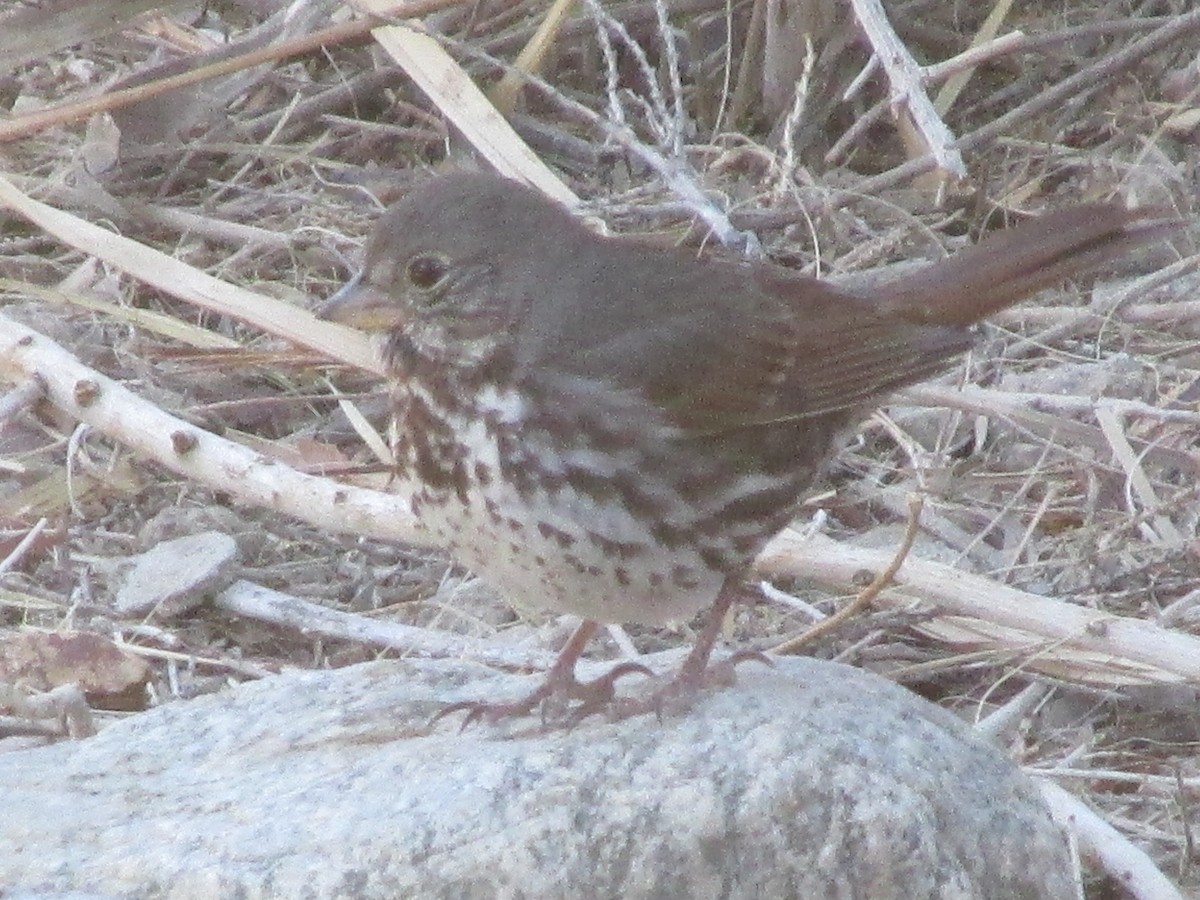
[1047, 316]
[744, 81]
[908, 87]
[1083, 84]
[194, 453]
[974, 57]
[16, 726]
[506, 92]
[986, 34]
[23, 126]
[244, 598]
[863, 123]
[1101, 306]
[217, 230]
[972, 612]
[1004, 723]
[1011, 660]
[1043, 425]
[1079, 403]
[1160, 785]
[681, 182]
[19, 551]
[66, 703]
[241, 667]
[461, 101]
[35, 32]
[1162, 313]
[1098, 841]
[1114, 27]
[1141, 497]
[867, 594]
[332, 98]
[21, 398]
[187, 283]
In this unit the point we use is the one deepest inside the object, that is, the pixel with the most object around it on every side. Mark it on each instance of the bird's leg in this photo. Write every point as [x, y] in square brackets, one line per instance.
[692, 670]
[696, 672]
[559, 683]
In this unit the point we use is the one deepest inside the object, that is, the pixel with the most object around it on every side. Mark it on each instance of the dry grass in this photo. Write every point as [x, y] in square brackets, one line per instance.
[1069, 471]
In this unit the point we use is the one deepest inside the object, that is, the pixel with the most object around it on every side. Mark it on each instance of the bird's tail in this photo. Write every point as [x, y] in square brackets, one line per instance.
[1010, 265]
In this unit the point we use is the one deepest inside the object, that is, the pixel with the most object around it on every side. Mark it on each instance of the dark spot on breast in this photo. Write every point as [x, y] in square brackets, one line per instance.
[598, 487]
[552, 482]
[427, 468]
[635, 497]
[682, 576]
[462, 483]
[671, 535]
[715, 559]
[748, 544]
[438, 457]
[616, 549]
[493, 510]
[549, 532]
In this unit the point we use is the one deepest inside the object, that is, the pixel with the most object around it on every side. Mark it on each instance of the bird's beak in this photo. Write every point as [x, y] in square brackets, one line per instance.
[362, 306]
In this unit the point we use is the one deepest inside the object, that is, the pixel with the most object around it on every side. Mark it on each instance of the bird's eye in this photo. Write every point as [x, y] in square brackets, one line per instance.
[426, 270]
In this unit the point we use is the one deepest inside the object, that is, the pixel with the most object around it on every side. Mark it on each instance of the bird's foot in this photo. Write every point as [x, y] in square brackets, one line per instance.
[560, 696]
[698, 672]
[678, 693]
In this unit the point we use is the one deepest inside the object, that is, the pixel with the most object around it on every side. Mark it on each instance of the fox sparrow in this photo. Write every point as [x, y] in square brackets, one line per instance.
[615, 430]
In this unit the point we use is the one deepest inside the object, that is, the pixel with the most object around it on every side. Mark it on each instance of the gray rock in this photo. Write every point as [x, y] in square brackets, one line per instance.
[175, 576]
[809, 780]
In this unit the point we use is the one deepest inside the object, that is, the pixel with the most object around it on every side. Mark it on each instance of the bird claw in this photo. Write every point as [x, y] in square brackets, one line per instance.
[564, 699]
[680, 692]
[554, 691]
[477, 711]
[724, 673]
[757, 656]
[600, 693]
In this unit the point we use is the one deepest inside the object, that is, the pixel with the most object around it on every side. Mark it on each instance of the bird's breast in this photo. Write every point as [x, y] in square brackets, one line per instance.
[550, 506]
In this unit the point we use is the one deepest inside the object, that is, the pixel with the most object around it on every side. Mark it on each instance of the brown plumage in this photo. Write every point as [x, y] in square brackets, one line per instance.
[615, 431]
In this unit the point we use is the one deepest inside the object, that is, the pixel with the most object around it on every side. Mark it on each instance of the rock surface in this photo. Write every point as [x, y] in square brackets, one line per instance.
[811, 779]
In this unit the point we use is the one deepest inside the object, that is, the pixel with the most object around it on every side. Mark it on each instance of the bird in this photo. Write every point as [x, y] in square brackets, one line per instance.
[613, 429]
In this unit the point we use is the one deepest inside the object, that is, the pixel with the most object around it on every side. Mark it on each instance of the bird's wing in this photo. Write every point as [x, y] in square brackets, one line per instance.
[720, 346]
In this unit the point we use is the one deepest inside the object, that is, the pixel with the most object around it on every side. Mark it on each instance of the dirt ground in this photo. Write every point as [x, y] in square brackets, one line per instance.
[1066, 468]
